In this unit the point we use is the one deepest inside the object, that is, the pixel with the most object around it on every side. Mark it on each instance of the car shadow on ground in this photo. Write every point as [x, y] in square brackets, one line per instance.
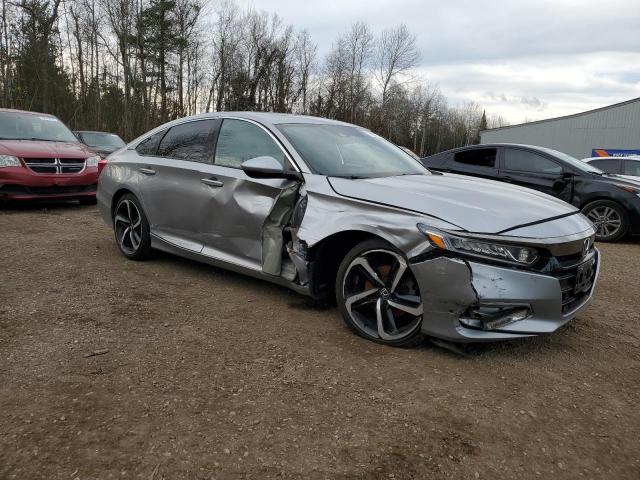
[41, 205]
[301, 303]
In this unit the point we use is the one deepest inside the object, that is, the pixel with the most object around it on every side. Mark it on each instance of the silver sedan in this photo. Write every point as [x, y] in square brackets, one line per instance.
[333, 211]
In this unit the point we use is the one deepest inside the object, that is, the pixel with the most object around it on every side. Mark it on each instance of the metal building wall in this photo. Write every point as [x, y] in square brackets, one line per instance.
[615, 127]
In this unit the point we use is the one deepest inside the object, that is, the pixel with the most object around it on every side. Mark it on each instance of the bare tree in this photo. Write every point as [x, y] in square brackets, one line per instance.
[396, 55]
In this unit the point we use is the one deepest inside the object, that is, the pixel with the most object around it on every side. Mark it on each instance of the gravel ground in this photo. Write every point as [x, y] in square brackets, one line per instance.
[171, 369]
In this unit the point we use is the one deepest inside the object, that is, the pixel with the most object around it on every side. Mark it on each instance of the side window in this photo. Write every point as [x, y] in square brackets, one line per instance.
[189, 141]
[524, 161]
[632, 167]
[239, 141]
[481, 157]
[149, 146]
[611, 165]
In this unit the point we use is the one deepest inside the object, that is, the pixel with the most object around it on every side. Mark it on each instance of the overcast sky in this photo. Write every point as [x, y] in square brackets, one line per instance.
[519, 59]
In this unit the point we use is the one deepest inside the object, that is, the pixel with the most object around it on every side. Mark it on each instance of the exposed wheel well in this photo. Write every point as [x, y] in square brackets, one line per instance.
[325, 258]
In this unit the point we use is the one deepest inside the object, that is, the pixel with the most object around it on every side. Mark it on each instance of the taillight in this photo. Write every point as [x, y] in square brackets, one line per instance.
[101, 164]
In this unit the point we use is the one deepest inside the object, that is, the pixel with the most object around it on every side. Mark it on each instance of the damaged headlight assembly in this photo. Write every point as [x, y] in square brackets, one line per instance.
[514, 254]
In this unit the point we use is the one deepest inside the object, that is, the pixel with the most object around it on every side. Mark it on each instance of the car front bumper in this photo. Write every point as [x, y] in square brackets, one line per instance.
[20, 183]
[451, 288]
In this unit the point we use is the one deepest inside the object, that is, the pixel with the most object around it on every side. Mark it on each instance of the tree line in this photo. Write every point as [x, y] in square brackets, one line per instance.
[126, 66]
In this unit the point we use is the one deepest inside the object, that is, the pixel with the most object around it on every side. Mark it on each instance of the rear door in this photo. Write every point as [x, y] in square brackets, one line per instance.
[237, 205]
[173, 194]
[479, 162]
[534, 170]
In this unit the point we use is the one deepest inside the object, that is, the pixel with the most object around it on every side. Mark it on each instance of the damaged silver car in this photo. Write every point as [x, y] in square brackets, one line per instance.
[335, 212]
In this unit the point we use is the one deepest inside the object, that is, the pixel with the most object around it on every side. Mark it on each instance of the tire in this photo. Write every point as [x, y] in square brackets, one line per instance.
[134, 244]
[391, 313]
[610, 219]
[87, 201]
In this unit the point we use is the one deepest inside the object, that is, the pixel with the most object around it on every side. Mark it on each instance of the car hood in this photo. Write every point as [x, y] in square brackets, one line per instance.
[473, 204]
[43, 149]
[626, 179]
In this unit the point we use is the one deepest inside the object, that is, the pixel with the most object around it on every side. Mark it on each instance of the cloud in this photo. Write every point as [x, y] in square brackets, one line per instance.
[540, 86]
[542, 58]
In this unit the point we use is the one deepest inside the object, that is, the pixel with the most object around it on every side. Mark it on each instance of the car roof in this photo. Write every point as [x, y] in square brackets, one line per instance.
[272, 118]
[494, 145]
[39, 114]
[591, 159]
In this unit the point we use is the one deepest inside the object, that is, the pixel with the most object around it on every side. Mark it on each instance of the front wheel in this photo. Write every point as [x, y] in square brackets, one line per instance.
[378, 295]
[609, 218]
[131, 228]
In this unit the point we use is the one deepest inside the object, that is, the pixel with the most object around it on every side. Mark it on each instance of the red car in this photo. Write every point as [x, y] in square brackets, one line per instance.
[41, 159]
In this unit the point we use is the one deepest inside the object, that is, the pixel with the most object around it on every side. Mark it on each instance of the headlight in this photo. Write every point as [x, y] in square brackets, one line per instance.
[93, 161]
[9, 161]
[480, 248]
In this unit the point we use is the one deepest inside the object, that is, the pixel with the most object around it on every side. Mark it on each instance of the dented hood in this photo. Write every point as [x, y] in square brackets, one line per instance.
[473, 204]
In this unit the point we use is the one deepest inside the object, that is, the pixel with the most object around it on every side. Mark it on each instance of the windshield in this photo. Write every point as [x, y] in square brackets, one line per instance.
[28, 126]
[102, 141]
[574, 162]
[343, 151]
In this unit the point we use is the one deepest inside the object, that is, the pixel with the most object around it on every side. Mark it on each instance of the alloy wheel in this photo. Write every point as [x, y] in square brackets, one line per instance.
[606, 220]
[128, 226]
[382, 296]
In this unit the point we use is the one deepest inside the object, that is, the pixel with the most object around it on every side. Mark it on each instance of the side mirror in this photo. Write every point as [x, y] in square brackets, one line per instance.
[267, 167]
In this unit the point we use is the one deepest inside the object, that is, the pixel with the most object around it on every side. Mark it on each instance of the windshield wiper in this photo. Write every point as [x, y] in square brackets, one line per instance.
[35, 139]
[350, 177]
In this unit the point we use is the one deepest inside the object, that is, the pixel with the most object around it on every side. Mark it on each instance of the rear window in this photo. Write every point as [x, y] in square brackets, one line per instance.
[482, 157]
[149, 146]
[189, 141]
[609, 165]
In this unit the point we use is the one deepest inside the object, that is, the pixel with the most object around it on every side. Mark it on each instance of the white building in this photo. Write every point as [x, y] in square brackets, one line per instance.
[607, 131]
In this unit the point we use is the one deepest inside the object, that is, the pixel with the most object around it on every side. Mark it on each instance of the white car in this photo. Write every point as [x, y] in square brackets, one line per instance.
[627, 166]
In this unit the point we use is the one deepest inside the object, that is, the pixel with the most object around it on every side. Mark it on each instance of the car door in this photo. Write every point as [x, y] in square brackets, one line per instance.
[478, 162]
[238, 205]
[173, 194]
[534, 170]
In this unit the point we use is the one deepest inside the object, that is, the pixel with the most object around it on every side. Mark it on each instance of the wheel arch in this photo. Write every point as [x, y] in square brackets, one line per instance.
[598, 198]
[118, 194]
[325, 257]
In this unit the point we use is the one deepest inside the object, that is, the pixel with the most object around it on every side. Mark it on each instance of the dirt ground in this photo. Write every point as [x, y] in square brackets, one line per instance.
[210, 374]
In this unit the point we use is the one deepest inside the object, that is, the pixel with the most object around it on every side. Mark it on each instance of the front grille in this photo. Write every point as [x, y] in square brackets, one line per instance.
[55, 165]
[568, 279]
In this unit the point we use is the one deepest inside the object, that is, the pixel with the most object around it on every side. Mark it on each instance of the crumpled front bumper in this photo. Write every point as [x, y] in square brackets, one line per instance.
[451, 286]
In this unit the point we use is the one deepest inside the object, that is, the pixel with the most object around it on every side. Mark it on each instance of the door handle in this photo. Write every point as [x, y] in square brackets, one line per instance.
[148, 171]
[212, 182]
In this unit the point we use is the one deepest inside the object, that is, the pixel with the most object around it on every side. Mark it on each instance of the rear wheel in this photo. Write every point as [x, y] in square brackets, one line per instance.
[131, 228]
[378, 295]
[609, 218]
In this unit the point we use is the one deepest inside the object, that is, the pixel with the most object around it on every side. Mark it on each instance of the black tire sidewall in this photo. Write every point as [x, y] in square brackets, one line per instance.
[624, 218]
[144, 249]
[416, 338]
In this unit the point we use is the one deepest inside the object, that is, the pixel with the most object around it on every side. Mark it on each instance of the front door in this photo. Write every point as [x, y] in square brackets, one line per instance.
[237, 207]
[532, 170]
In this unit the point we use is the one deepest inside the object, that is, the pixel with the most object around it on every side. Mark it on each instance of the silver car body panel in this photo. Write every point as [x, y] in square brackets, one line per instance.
[222, 217]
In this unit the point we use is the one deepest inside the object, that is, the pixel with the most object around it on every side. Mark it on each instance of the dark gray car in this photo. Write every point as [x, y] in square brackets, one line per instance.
[334, 211]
